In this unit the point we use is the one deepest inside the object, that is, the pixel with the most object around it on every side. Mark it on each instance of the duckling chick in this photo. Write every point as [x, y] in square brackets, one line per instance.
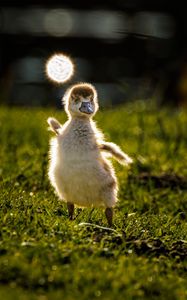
[79, 170]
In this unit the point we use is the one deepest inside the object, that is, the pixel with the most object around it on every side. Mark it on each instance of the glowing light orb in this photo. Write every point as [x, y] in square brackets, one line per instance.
[59, 68]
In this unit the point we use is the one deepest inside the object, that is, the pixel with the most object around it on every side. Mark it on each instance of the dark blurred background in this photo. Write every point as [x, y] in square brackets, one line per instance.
[133, 49]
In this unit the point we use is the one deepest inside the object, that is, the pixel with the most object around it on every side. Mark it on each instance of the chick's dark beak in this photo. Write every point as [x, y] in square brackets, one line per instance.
[86, 107]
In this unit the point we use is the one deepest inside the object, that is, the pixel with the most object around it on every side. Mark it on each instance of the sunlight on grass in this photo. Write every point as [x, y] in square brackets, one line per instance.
[43, 255]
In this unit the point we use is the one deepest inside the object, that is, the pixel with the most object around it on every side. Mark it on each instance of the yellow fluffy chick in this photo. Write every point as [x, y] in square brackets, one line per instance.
[79, 169]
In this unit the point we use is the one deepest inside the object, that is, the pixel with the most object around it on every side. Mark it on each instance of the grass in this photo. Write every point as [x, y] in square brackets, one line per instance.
[45, 256]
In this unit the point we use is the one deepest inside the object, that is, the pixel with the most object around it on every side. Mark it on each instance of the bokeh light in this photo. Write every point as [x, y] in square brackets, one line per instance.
[59, 68]
[58, 22]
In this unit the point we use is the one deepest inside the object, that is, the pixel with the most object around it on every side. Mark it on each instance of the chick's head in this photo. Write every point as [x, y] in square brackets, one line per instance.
[81, 100]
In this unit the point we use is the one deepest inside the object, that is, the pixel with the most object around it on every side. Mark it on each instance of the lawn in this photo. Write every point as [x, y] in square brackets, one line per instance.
[45, 256]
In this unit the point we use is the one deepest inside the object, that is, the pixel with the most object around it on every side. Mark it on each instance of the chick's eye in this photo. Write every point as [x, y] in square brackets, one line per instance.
[76, 100]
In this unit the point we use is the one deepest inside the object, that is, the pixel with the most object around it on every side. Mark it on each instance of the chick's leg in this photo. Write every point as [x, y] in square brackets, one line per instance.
[109, 215]
[70, 207]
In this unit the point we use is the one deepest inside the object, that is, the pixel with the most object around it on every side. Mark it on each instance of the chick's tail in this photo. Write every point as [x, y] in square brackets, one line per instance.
[116, 152]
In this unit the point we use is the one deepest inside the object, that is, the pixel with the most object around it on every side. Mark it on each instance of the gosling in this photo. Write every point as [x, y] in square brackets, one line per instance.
[79, 169]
